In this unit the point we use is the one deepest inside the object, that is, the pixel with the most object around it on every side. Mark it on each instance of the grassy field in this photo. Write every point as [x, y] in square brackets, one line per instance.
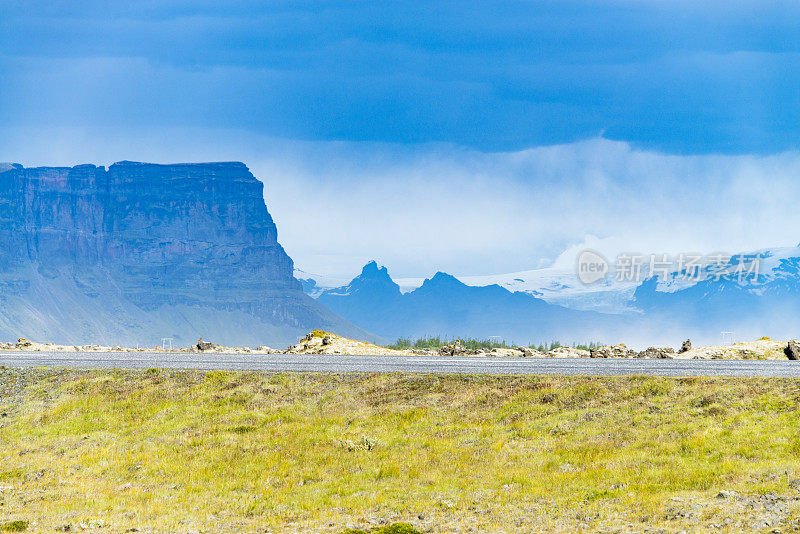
[165, 451]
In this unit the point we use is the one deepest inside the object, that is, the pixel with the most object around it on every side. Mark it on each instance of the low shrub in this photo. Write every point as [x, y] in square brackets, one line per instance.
[14, 526]
[394, 528]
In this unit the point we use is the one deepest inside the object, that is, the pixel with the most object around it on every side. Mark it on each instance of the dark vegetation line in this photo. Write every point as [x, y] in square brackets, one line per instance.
[436, 342]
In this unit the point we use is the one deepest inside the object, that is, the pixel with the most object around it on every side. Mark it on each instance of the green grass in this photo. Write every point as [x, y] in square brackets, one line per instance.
[219, 451]
[320, 333]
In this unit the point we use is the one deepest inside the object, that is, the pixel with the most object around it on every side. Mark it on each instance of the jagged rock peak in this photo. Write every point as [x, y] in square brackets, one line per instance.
[441, 278]
[371, 270]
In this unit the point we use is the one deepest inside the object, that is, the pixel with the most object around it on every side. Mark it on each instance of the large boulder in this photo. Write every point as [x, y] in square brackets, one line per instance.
[319, 342]
[612, 351]
[455, 349]
[792, 350]
[525, 351]
[508, 351]
[204, 345]
[657, 352]
[686, 347]
[568, 352]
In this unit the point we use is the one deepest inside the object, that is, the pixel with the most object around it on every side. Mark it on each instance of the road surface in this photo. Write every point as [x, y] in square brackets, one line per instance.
[405, 364]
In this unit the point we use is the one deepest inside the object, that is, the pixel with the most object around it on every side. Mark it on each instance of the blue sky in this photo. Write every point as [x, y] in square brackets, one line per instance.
[388, 85]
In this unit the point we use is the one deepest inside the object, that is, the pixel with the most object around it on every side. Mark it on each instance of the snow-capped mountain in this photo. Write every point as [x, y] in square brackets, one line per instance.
[776, 270]
[764, 271]
[757, 300]
[750, 294]
[554, 285]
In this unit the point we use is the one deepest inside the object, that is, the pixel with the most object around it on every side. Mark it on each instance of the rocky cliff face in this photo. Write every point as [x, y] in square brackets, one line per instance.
[156, 250]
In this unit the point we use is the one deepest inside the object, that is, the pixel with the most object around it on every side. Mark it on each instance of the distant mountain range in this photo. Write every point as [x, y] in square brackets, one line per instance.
[139, 252]
[525, 306]
[445, 306]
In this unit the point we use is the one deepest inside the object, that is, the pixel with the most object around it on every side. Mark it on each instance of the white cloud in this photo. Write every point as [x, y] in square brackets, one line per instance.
[424, 208]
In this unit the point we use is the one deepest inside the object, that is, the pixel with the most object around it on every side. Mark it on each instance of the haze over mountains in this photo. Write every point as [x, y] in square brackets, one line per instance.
[141, 251]
[525, 307]
[764, 303]
[445, 306]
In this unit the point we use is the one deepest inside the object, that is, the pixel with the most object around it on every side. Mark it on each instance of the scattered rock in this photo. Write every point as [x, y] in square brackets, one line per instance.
[321, 342]
[724, 494]
[457, 349]
[792, 350]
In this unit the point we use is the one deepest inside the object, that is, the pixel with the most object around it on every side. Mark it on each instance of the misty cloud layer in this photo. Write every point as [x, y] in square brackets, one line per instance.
[423, 208]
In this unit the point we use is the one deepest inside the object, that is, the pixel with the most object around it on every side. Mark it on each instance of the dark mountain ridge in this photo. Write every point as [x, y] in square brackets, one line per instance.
[445, 306]
[142, 251]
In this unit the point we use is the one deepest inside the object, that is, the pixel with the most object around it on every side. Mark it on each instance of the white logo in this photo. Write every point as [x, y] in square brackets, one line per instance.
[592, 266]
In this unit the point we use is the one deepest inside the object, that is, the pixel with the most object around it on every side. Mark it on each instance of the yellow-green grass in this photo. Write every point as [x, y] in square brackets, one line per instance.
[320, 333]
[169, 451]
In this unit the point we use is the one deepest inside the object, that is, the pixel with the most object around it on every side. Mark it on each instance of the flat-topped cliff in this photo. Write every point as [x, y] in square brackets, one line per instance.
[156, 250]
